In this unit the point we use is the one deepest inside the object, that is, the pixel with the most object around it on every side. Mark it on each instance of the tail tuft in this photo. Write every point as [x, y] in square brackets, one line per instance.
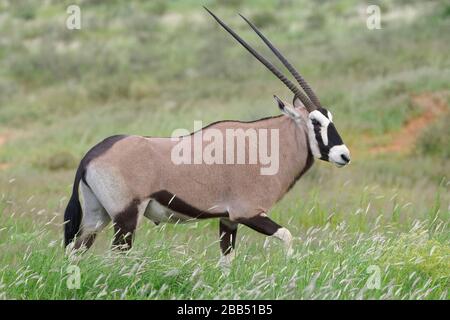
[73, 214]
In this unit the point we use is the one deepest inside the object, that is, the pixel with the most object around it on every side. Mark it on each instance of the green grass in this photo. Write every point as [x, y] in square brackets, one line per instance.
[149, 68]
[330, 262]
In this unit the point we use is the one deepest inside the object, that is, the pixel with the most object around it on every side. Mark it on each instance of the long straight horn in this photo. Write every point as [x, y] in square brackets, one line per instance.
[301, 81]
[303, 98]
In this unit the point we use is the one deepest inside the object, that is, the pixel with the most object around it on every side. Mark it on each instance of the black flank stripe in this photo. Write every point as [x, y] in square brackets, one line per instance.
[165, 197]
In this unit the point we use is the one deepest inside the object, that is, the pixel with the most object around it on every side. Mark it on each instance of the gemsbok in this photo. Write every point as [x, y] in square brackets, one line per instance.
[127, 177]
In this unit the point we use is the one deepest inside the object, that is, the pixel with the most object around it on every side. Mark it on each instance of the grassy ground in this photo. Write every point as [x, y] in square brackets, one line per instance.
[151, 67]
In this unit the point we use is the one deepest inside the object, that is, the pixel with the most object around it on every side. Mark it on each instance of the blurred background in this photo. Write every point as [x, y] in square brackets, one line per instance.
[149, 67]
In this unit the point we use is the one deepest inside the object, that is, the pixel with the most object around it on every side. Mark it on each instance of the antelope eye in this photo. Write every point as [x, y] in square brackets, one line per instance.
[315, 122]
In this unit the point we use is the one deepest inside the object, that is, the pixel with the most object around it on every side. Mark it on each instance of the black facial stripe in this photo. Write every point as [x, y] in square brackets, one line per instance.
[324, 150]
[334, 139]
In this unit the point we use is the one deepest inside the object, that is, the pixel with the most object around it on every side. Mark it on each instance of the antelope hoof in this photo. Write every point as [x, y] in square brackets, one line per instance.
[226, 261]
[289, 252]
[284, 235]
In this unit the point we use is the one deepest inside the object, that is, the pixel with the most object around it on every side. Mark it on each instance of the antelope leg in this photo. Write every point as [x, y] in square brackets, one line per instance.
[227, 233]
[263, 224]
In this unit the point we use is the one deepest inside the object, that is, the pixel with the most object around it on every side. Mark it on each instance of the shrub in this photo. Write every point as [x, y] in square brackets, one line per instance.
[59, 160]
[435, 139]
[24, 9]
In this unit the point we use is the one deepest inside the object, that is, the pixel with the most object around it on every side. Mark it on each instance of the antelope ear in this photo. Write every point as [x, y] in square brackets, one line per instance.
[297, 103]
[287, 109]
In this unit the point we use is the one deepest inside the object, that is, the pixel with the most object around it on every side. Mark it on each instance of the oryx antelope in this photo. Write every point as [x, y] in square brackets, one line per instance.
[127, 177]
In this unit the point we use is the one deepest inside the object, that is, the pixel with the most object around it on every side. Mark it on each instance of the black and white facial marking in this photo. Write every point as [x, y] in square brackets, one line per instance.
[324, 140]
[326, 143]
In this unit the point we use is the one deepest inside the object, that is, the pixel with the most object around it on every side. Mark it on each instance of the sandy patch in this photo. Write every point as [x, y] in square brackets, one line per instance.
[433, 105]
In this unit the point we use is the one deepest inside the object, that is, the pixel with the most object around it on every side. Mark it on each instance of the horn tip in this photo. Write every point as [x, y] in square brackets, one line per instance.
[245, 19]
[209, 11]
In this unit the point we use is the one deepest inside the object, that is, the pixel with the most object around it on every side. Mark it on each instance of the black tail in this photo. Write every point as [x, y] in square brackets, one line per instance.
[73, 214]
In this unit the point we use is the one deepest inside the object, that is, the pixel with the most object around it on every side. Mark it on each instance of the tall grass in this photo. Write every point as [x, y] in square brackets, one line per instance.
[180, 262]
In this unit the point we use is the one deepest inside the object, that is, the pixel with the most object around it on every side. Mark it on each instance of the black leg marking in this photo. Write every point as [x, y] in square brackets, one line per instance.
[86, 241]
[124, 226]
[262, 224]
[227, 233]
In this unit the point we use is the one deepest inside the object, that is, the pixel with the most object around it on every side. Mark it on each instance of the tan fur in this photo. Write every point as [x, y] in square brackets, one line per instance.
[136, 167]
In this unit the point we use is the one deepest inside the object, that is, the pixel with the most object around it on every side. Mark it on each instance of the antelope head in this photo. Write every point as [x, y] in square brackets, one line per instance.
[324, 140]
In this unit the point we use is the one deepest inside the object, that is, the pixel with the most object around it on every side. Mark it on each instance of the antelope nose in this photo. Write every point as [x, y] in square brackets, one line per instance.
[345, 158]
